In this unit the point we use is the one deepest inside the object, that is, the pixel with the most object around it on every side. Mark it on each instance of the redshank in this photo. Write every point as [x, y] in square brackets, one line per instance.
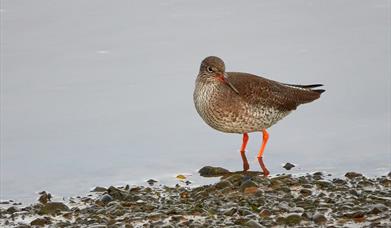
[242, 103]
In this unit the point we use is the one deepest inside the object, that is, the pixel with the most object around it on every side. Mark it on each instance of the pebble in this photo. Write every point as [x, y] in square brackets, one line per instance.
[210, 171]
[352, 175]
[41, 221]
[288, 166]
[223, 184]
[106, 198]
[239, 199]
[247, 184]
[319, 219]
[293, 219]
[253, 224]
[12, 210]
[99, 189]
[151, 181]
[53, 207]
[265, 213]
[305, 192]
[230, 211]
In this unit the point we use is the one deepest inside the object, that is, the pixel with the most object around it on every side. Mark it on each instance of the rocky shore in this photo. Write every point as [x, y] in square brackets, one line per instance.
[240, 199]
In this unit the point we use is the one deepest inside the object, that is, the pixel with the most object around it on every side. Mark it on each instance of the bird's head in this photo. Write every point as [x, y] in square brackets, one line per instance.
[212, 67]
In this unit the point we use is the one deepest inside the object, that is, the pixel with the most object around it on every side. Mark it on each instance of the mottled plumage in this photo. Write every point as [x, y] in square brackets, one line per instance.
[258, 103]
[241, 103]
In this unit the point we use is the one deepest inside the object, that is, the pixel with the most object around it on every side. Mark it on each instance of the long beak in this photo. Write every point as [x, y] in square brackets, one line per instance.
[225, 79]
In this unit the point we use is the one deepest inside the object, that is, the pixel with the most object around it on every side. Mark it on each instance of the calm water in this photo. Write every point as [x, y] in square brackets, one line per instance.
[99, 93]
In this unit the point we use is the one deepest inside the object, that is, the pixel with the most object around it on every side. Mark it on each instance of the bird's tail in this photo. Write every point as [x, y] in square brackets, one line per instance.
[306, 93]
[308, 87]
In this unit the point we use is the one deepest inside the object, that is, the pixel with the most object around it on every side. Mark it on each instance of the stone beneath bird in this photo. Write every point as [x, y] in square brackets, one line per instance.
[242, 103]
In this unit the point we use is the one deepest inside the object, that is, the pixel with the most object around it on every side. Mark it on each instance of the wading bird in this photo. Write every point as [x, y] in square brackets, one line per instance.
[241, 103]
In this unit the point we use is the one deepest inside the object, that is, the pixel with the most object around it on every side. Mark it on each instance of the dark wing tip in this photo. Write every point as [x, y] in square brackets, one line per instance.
[305, 86]
[320, 91]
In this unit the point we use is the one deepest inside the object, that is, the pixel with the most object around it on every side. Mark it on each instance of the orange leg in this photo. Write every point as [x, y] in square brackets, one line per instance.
[246, 166]
[264, 141]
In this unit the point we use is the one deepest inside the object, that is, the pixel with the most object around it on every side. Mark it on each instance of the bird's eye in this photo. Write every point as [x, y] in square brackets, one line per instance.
[209, 69]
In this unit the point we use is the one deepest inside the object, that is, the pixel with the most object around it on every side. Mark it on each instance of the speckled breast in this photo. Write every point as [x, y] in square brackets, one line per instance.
[224, 110]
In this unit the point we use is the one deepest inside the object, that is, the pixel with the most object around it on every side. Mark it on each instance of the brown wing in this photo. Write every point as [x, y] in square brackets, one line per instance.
[261, 91]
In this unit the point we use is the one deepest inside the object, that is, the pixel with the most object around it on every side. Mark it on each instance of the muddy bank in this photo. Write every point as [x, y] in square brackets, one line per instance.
[236, 200]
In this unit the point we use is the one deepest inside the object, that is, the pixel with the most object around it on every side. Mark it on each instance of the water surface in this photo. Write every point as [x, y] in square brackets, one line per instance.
[100, 93]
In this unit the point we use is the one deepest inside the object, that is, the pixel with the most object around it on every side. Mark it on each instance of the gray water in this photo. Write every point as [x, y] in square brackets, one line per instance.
[100, 92]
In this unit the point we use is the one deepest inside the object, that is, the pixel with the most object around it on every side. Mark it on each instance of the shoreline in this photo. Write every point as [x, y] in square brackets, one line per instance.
[237, 199]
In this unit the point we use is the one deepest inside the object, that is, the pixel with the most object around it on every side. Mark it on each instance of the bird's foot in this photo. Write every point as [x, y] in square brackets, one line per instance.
[265, 172]
[264, 169]
[246, 166]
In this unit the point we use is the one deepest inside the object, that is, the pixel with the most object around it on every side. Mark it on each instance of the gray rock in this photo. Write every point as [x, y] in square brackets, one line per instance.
[297, 210]
[305, 192]
[53, 207]
[265, 213]
[253, 224]
[377, 208]
[293, 219]
[223, 184]
[247, 184]
[41, 221]
[210, 171]
[235, 179]
[99, 189]
[243, 211]
[319, 219]
[12, 210]
[288, 166]
[323, 184]
[44, 197]
[230, 211]
[352, 175]
[115, 193]
[151, 181]
[106, 198]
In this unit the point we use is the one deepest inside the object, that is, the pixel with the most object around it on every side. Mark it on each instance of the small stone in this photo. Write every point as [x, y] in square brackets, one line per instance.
[288, 166]
[151, 181]
[250, 190]
[352, 175]
[223, 184]
[305, 192]
[317, 174]
[293, 219]
[355, 215]
[247, 184]
[230, 211]
[265, 213]
[323, 184]
[297, 210]
[44, 197]
[276, 184]
[41, 221]
[106, 198]
[12, 210]
[319, 219]
[155, 216]
[253, 224]
[235, 179]
[99, 189]
[53, 207]
[115, 193]
[210, 171]
[377, 208]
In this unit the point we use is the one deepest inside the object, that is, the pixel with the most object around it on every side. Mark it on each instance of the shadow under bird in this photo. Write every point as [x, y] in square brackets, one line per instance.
[242, 103]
